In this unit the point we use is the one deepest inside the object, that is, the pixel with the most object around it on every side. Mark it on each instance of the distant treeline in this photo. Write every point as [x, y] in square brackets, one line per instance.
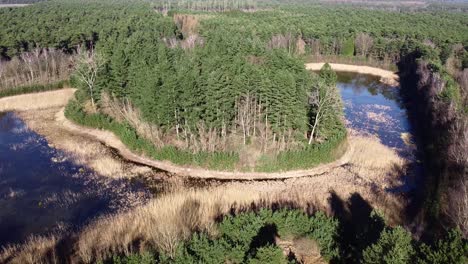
[12, 2]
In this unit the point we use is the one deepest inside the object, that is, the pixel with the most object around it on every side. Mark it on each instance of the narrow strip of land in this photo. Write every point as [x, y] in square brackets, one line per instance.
[57, 98]
[113, 141]
[35, 101]
[386, 76]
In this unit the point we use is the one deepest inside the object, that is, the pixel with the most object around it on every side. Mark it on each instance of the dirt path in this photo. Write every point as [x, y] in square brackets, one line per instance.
[54, 99]
[387, 77]
[112, 141]
[61, 97]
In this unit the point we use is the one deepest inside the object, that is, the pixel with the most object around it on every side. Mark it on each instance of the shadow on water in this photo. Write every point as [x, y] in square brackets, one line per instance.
[42, 192]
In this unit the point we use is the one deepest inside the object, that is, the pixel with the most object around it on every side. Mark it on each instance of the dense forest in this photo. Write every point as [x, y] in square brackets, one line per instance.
[222, 85]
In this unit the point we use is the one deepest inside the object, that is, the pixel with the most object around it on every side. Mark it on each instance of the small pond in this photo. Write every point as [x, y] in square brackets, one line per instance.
[42, 192]
[374, 108]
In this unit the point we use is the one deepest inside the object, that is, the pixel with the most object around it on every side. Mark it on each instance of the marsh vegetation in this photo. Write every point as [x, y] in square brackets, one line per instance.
[360, 170]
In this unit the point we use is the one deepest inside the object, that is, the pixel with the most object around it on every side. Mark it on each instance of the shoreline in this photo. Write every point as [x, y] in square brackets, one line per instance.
[112, 141]
[364, 175]
[41, 100]
[386, 76]
[60, 98]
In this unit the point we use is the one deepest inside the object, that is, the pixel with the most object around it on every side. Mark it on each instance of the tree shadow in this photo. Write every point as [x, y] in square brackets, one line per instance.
[359, 226]
[265, 236]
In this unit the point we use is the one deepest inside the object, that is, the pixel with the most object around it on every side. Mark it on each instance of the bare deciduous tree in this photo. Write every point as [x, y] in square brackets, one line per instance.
[363, 44]
[280, 41]
[87, 67]
[41, 66]
[327, 102]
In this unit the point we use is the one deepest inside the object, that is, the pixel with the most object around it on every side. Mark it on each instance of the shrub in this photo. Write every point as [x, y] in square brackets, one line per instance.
[393, 247]
[269, 254]
[453, 249]
[144, 258]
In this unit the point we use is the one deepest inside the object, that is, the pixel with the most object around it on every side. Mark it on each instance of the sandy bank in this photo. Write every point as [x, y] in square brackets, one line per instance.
[113, 141]
[38, 110]
[36, 101]
[63, 126]
[387, 77]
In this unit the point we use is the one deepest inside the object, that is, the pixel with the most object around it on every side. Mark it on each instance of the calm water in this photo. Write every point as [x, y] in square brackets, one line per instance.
[374, 108]
[41, 192]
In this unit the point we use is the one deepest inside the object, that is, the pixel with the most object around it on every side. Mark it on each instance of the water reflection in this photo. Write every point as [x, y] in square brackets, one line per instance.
[374, 108]
[42, 192]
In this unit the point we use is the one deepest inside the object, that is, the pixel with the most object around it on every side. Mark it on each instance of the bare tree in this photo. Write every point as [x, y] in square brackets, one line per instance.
[363, 43]
[87, 67]
[2, 69]
[327, 102]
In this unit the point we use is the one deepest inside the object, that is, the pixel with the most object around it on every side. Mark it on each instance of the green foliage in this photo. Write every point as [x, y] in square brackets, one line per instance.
[144, 258]
[310, 156]
[268, 254]
[241, 239]
[394, 247]
[33, 89]
[128, 135]
[452, 249]
[348, 48]
[465, 60]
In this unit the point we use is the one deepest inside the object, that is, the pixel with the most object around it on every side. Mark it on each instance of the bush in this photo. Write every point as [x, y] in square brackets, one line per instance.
[269, 254]
[453, 249]
[393, 247]
[144, 258]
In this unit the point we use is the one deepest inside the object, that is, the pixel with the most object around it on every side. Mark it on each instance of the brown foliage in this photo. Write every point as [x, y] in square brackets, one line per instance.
[187, 24]
[363, 43]
[40, 66]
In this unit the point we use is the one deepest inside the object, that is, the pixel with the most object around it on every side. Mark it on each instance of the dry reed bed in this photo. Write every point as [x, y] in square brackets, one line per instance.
[169, 219]
[166, 220]
[370, 167]
[82, 150]
[35, 101]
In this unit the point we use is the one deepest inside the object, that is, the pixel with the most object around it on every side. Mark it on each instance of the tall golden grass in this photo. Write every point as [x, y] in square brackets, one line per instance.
[161, 223]
[169, 219]
[36, 101]
[36, 250]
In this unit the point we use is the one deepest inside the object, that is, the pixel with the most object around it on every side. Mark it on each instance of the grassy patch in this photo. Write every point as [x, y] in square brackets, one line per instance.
[128, 135]
[33, 88]
[301, 159]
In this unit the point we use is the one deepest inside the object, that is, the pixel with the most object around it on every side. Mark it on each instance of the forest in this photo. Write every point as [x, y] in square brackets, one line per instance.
[221, 85]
